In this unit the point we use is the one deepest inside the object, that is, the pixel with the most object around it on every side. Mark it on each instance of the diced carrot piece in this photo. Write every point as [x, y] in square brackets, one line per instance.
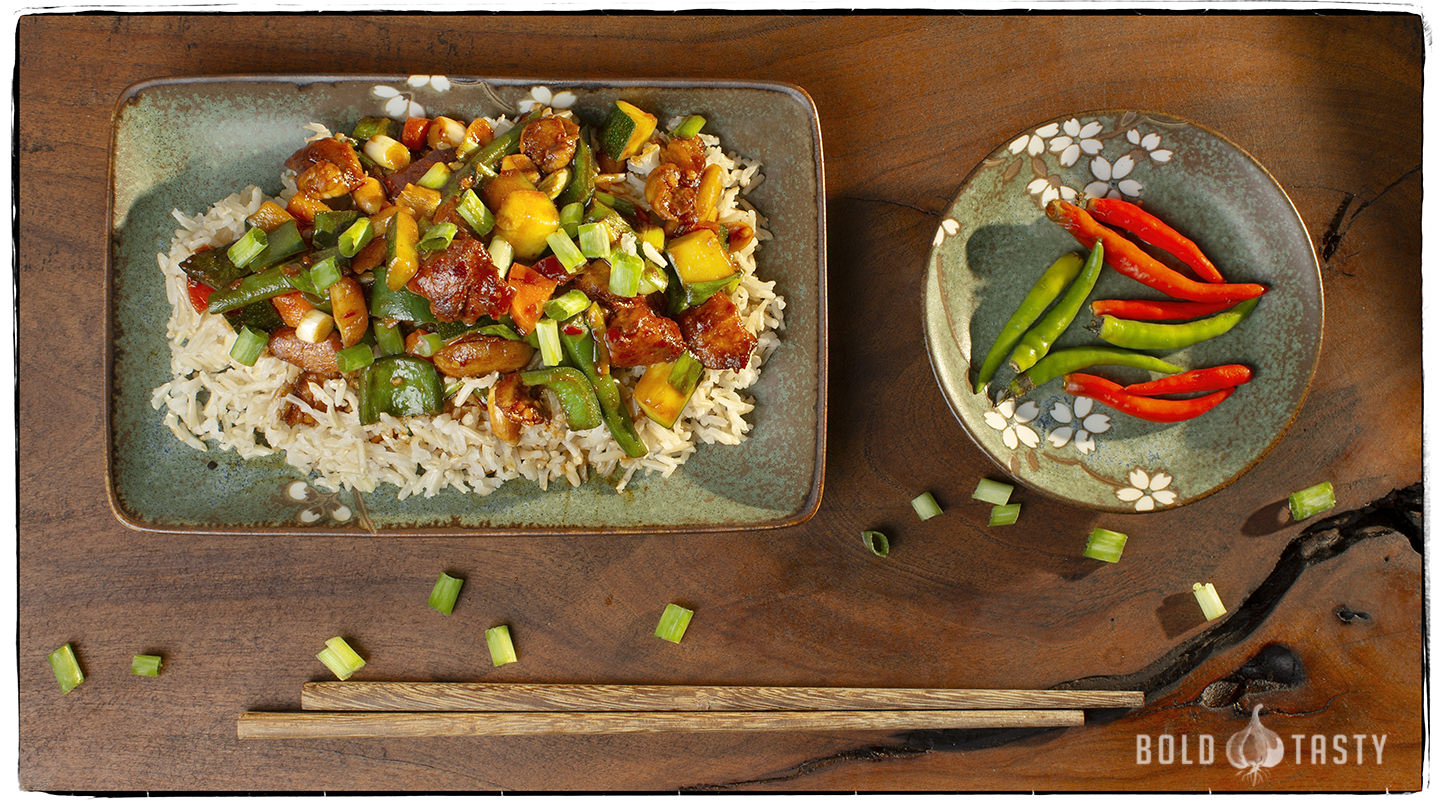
[413, 135]
[199, 294]
[270, 216]
[304, 208]
[292, 307]
[532, 290]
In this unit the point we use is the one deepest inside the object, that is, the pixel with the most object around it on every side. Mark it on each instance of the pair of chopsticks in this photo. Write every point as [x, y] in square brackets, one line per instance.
[386, 709]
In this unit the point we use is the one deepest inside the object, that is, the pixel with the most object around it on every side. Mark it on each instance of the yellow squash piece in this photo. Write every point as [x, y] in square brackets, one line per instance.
[525, 219]
[626, 130]
[402, 256]
[698, 256]
[660, 400]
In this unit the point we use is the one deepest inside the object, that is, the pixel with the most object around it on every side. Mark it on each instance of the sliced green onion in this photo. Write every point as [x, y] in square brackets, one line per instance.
[474, 212]
[329, 225]
[446, 590]
[877, 542]
[147, 665]
[1209, 600]
[248, 345]
[325, 273]
[570, 217]
[624, 207]
[685, 374]
[568, 305]
[502, 253]
[438, 237]
[1105, 545]
[368, 128]
[653, 280]
[993, 492]
[565, 250]
[548, 332]
[1004, 514]
[925, 506]
[625, 272]
[436, 176]
[428, 345]
[673, 623]
[354, 358]
[388, 339]
[499, 330]
[595, 240]
[247, 247]
[356, 237]
[66, 668]
[690, 127]
[339, 658]
[502, 649]
[1311, 501]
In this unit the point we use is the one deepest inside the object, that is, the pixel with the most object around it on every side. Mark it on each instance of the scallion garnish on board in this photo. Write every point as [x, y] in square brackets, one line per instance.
[66, 668]
[993, 492]
[1004, 514]
[445, 592]
[1311, 501]
[340, 658]
[147, 665]
[877, 542]
[1105, 545]
[673, 623]
[1209, 600]
[502, 649]
[925, 506]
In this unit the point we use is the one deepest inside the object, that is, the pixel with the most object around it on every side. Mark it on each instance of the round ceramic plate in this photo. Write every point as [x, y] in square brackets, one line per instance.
[994, 242]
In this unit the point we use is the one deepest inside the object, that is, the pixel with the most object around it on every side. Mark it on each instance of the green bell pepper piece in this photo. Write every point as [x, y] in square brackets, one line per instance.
[400, 305]
[581, 351]
[399, 386]
[576, 395]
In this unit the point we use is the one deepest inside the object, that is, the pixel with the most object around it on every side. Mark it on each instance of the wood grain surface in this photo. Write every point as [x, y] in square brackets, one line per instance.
[1325, 622]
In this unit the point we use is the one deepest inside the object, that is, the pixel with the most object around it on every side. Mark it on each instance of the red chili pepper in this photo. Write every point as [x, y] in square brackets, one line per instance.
[1148, 408]
[1147, 226]
[551, 268]
[1129, 260]
[1192, 382]
[413, 135]
[1156, 310]
[572, 329]
[199, 294]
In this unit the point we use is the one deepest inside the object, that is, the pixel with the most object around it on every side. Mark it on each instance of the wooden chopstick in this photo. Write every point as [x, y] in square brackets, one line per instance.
[316, 725]
[383, 696]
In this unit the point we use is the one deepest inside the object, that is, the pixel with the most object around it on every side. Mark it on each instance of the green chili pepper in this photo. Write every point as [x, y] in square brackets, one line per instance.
[581, 351]
[1064, 361]
[577, 397]
[481, 162]
[1042, 335]
[1171, 336]
[400, 305]
[1046, 290]
[258, 287]
[212, 268]
[399, 386]
[582, 185]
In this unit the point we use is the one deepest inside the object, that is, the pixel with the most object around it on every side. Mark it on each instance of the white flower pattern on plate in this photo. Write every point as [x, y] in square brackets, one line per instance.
[1150, 142]
[540, 96]
[1013, 423]
[1077, 139]
[1033, 143]
[1049, 188]
[1112, 179]
[1147, 489]
[948, 227]
[397, 104]
[1078, 423]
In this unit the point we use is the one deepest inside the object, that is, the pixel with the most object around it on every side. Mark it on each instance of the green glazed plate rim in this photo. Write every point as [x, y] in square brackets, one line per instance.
[807, 507]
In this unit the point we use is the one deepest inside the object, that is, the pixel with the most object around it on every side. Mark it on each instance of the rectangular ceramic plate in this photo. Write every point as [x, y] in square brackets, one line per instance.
[185, 143]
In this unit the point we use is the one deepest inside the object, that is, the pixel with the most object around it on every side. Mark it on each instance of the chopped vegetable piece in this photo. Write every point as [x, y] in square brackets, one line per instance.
[993, 492]
[444, 133]
[568, 305]
[1312, 501]
[285, 241]
[340, 658]
[673, 623]
[399, 386]
[388, 339]
[625, 272]
[315, 326]
[1004, 514]
[565, 250]
[570, 217]
[397, 303]
[1105, 545]
[325, 272]
[66, 668]
[368, 128]
[428, 345]
[402, 256]
[475, 214]
[595, 240]
[1209, 600]
[248, 345]
[1037, 340]
[329, 225]
[665, 388]
[355, 237]
[653, 279]
[576, 395]
[925, 506]
[502, 649]
[445, 592]
[502, 255]
[699, 256]
[354, 358]
[626, 129]
[690, 127]
[147, 665]
[548, 331]
[436, 176]
[877, 542]
[438, 237]
[555, 183]
[247, 247]
[582, 351]
[388, 152]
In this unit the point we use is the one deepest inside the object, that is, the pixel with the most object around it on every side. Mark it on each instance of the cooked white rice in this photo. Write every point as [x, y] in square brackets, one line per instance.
[213, 403]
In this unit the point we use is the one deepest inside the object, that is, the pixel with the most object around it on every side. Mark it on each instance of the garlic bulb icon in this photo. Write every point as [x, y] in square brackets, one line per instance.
[1254, 748]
